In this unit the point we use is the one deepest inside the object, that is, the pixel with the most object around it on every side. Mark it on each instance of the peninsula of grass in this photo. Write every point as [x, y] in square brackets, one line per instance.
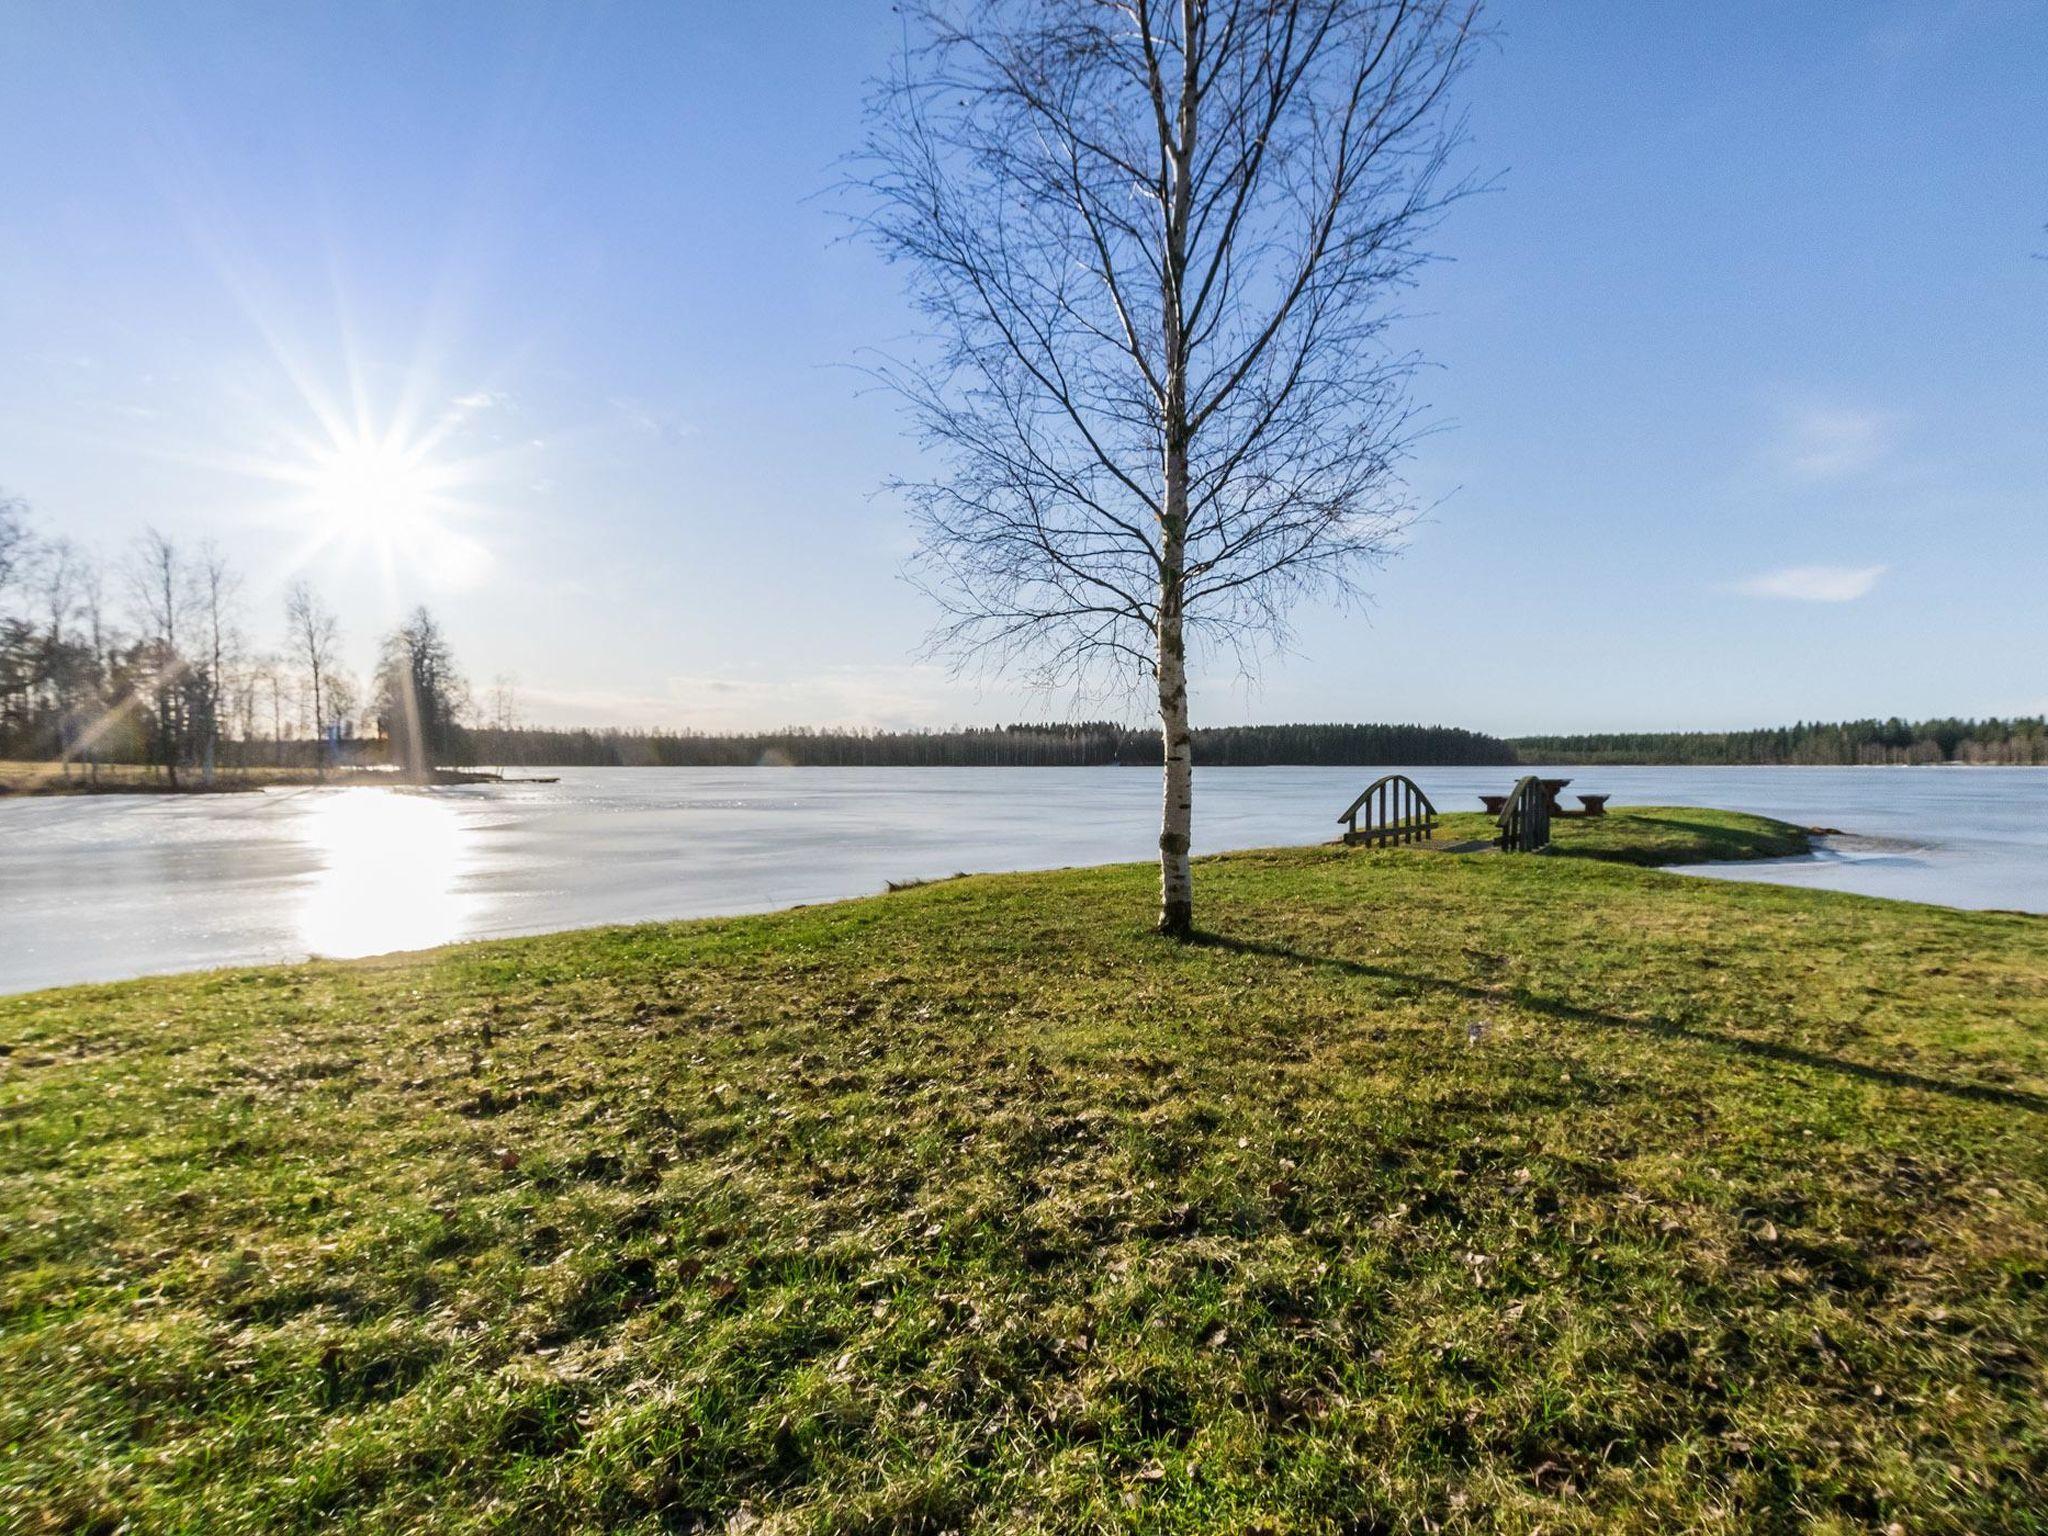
[1426, 1193]
[1651, 835]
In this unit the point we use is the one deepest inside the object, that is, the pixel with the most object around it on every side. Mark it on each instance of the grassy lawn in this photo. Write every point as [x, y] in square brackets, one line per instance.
[1430, 1193]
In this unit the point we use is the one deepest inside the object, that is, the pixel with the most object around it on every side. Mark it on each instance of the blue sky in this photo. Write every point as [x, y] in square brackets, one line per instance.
[1741, 368]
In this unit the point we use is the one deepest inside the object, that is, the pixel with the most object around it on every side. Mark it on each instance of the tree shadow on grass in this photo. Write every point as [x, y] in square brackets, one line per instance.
[1669, 1029]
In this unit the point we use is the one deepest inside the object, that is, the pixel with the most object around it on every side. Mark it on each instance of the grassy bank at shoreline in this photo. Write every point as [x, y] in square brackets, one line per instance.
[27, 778]
[1427, 1192]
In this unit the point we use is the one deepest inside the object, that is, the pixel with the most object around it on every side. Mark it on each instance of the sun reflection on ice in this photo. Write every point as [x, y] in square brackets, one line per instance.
[391, 864]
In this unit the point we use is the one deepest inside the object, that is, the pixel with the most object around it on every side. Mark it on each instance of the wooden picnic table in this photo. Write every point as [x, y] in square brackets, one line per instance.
[1590, 805]
[1495, 803]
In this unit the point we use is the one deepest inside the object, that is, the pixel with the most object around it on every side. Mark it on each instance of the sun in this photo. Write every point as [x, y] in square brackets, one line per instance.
[389, 489]
[365, 488]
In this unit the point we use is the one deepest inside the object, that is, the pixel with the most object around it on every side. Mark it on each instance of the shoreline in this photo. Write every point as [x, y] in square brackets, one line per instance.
[1631, 837]
[1697, 855]
[32, 781]
[25, 780]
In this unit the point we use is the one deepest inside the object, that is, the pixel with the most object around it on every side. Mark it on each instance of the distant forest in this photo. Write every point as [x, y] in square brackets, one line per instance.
[1089, 744]
[1846, 743]
[1100, 743]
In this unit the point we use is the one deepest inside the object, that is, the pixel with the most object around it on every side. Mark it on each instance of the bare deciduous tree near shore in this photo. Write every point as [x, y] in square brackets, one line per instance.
[315, 635]
[160, 587]
[219, 591]
[420, 694]
[15, 544]
[1154, 243]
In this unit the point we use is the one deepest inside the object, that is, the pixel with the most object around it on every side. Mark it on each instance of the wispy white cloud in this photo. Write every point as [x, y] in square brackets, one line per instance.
[1827, 442]
[656, 421]
[597, 707]
[478, 400]
[1813, 583]
[889, 696]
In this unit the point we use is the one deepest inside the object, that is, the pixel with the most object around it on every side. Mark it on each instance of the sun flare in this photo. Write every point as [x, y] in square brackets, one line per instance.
[396, 496]
[367, 488]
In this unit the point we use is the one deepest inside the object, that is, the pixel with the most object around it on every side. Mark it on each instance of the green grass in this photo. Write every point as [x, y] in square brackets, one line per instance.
[1428, 1193]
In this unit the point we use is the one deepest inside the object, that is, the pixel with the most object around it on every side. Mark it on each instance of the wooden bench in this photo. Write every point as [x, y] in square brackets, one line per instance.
[1590, 805]
[1395, 810]
[1525, 818]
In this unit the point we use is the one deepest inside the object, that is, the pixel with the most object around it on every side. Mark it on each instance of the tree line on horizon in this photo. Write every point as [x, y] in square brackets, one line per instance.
[1083, 744]
[2022, 741]
[148, 659]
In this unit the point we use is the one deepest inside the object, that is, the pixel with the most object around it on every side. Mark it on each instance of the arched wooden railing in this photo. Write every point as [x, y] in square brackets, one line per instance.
[1525, 819]
[1395, 810]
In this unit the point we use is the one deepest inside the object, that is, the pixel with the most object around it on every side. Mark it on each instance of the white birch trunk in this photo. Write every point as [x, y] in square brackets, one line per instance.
[1176, 814]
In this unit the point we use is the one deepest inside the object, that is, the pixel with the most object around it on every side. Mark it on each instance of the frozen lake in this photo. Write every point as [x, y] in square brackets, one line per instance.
[103, 887]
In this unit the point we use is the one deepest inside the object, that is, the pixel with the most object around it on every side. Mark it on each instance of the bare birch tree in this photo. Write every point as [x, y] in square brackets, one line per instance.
[315, 636]
[64, 665]
[219, 588]
[504, 704]
[160, 588]
[103, 712]
[268, 678]
[16, 545]
[1155, 243]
